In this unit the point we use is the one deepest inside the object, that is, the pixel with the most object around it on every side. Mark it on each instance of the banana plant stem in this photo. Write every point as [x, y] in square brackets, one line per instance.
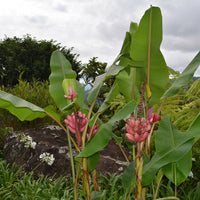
[76, 181]
[90, 134]
[86, 185]
[71, 156]
[86, 126]
[138, 171]
[157, 188]
[94, 178]
[138, 189]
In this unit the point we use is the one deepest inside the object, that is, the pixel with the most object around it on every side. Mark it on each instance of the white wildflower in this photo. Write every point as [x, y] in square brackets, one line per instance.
[30, 144]
[47, 157]
[191, 175]
[194, 159]
[27, 140]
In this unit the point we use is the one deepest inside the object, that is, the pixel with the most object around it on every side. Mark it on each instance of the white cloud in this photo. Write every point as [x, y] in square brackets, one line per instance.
[97, 27]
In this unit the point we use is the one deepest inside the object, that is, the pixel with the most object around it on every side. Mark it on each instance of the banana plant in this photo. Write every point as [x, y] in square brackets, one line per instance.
[141, 75]
[69, 96]
[145, 64]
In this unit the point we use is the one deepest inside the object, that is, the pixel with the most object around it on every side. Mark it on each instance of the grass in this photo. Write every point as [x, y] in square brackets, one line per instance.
[12, 186]
[26, 187]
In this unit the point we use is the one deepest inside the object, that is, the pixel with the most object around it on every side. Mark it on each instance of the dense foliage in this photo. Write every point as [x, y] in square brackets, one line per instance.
[91, 70]
[184, 106]
[31, 57]
[36, 92]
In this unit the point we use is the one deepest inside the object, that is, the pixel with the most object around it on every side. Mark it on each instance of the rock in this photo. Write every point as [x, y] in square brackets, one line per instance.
[26, 149]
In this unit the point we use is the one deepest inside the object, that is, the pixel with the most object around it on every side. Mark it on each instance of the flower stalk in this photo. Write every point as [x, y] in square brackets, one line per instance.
[138, 170]
[86, 186]
[78, 124]
[138, 129]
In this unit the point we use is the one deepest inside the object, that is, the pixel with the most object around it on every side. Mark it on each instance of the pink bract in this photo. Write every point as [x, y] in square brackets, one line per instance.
[81, 121]
[152, 117]
[72, 94]
[138, 129]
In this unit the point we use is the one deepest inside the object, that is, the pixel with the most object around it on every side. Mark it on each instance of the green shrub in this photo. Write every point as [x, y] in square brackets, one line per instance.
[36, 92]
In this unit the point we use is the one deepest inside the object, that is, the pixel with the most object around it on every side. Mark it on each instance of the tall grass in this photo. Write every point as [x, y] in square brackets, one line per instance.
[13, 186]
[26, 187]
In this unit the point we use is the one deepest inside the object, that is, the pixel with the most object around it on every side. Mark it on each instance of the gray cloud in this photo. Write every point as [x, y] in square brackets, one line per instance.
[61, 7]
[181, 28]
[182, 44]
[40, 19]
[97, 27]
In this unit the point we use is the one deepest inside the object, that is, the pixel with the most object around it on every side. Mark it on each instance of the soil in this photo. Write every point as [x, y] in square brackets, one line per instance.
[52, 139]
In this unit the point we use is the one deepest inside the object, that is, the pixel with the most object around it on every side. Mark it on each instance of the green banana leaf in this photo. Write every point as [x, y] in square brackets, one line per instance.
[60, 69]
[50, 110]
[125, 50]
[93, 161]
[22, 109]
[93, 93]
[145, 47]
[114, 91]
[145, 52]
[179, 171]
[125, 82]
[128, 178]
[171, 146]
[99, 80]
[182, 167]
[184, 78]
[193, 130]
[125, 77]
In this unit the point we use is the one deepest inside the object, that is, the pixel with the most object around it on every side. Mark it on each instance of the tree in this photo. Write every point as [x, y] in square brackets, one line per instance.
[92, 70]
[31, 57]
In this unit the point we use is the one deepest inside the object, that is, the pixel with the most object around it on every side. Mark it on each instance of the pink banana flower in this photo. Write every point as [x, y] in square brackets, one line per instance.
[95, 129]
[72, 94]
[138, 129]
[81, 121]
[152, 117]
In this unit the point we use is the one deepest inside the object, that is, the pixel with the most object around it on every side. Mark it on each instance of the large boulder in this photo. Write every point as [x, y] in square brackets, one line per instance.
[29, 148]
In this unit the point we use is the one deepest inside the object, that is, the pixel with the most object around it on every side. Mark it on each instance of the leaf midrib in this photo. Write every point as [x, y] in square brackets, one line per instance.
[165, 154]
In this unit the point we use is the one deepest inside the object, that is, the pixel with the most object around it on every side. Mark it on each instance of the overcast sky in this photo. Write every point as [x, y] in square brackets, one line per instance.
[97, 27]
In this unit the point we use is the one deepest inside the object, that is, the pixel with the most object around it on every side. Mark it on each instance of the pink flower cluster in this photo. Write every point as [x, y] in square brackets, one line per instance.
[95, 129]
[138, 129]
[81, 121]
[71, 121]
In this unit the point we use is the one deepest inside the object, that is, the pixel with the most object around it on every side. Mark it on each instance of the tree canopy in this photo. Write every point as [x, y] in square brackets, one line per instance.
[31, 57]
[91, 70]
